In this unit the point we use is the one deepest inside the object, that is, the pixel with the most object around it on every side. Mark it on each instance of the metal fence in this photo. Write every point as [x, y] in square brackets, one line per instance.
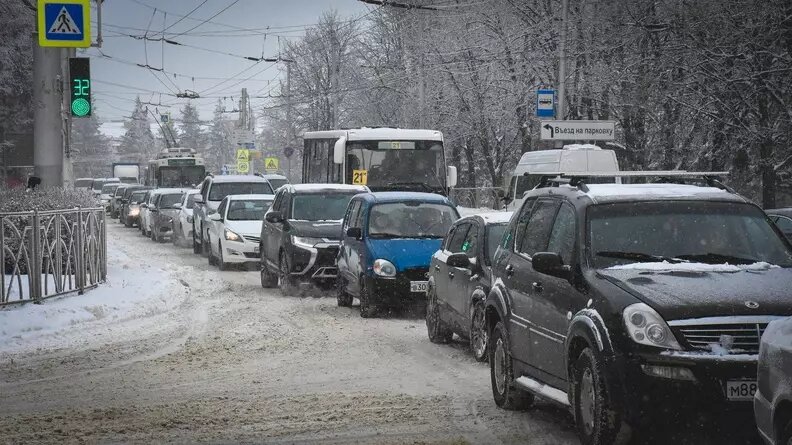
[477, 198]
[50, 253]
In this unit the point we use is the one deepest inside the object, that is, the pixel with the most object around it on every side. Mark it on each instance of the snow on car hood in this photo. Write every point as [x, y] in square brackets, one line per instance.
[316, 229]
[692, 290]
[405, 253]
[245, 228]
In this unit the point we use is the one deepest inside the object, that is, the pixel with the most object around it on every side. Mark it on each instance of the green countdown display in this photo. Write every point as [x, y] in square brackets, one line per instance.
[80, 73]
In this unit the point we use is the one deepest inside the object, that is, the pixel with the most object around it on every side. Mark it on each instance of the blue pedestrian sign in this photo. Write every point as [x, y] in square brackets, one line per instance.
[64, 23]
[545, 103]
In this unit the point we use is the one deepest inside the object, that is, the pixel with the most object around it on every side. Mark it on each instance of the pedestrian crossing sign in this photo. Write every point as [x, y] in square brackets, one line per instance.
[271, 164]
[64, 23]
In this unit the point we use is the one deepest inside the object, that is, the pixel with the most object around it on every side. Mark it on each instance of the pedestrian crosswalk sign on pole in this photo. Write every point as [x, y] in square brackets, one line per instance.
[64, 23]
[271, 164]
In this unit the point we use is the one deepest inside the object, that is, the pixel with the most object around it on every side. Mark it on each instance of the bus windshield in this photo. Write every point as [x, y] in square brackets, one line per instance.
[397, 165]
[181, 176]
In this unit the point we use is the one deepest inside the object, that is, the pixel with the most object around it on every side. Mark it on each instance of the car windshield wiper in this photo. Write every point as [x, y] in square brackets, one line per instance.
[386, 235]
[640, 257]
[718, 258]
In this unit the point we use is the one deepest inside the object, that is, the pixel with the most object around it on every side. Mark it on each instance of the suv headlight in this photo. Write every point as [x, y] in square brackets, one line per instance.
[232, 236]
[647, 327]
[305, 242]
[384, 268]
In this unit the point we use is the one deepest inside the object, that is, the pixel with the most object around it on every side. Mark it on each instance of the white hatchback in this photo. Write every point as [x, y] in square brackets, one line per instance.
[235, 229]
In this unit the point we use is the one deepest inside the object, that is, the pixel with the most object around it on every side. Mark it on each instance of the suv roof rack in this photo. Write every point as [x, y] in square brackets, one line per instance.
[577, 179]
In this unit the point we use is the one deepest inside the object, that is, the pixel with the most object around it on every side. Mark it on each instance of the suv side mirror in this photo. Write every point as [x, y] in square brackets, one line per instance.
[177, 205]
[198, 199]
[354, 232]
[550, 263]
[458, 260]
[274, 217]
[215, 217]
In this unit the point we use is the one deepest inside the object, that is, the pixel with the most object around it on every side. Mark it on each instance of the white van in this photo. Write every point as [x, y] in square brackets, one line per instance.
[571, 158]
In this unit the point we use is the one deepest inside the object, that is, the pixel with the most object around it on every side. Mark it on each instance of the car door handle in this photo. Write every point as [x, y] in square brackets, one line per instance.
[509, 270]
[450, 274]
[437, 267]
[537, 287]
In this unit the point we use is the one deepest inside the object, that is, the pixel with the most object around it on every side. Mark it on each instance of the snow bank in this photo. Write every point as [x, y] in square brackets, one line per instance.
[665, 266]
[132, 290]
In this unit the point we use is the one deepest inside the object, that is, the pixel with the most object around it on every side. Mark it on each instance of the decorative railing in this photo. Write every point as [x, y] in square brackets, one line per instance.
[49, 253]
[481, 197]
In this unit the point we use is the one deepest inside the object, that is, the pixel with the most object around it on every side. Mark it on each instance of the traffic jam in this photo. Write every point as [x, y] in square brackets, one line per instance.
[619, 296]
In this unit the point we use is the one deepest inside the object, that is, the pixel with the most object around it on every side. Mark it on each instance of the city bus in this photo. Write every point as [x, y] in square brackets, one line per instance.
[382, 158]
[176, 167]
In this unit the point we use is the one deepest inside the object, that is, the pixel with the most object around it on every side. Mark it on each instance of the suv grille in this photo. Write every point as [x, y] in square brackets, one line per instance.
[732, 338]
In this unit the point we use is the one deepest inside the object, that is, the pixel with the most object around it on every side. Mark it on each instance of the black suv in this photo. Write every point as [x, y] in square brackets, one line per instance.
[301, 233]
[618, 301]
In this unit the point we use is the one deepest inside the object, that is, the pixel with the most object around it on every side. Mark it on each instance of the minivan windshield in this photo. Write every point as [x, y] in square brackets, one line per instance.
[683, 231]
[410, 220]
[109, 189]
[223, 189]
[320, 206]
[169, 200]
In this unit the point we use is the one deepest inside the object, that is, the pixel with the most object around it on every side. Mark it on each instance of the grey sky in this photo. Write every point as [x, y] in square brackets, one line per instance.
[285, 18]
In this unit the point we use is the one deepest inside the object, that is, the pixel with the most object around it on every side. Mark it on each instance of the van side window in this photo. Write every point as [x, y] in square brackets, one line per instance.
[539, 226]
[522, 221]
[361, 215]
[352, 214]
[458, 238]
[562, 238]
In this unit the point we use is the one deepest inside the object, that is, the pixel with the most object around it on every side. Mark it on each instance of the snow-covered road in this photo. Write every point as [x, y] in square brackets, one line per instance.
[174, 350]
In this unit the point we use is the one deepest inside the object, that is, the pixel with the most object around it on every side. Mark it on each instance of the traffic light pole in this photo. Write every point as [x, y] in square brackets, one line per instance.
[48, 122]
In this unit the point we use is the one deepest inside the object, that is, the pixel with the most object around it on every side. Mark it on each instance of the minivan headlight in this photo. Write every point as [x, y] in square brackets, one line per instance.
[305, 242]
[384, 268]
[647, 327]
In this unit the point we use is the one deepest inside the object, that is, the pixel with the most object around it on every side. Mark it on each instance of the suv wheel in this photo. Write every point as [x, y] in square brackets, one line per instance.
[220, 262]
[268, 280]
[367, 308]
[597, 419]
[196, 246]
[504, 390]
[284, 279]
[343, 298]
[437, 330]
[478, 331]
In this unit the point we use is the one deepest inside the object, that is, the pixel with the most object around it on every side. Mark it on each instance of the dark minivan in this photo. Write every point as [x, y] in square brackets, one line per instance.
[623, 302]
[301, 233]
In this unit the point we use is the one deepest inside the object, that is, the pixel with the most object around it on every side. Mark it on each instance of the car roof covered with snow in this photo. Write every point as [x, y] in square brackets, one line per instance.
[609, 193]
[317, 188]
[496, 217]
[237, 178]
[272, 176]
[385, 197]
[167, 191]
[251, 197]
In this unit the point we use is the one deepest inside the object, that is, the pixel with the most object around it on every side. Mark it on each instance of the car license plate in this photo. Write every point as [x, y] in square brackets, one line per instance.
[419, 286]
[740, 390]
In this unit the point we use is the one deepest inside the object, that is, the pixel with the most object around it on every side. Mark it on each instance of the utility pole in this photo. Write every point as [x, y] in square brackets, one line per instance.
[562, 66]
[290, 127]
[48, 129]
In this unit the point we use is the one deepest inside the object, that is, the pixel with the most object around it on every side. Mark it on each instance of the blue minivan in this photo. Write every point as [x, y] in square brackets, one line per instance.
[388, 239]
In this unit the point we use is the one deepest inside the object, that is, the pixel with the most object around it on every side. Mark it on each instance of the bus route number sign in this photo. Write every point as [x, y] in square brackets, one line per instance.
[360, 177]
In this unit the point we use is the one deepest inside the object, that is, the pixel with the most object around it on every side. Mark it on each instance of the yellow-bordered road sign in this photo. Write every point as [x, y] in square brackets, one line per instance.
[243, 154]
[64, 23]
[271, 164]
[242, 166]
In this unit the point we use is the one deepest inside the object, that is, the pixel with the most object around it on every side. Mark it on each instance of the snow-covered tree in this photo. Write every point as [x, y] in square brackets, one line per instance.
[138, 143]
[190, 132]
[90, 150]
[221, 145]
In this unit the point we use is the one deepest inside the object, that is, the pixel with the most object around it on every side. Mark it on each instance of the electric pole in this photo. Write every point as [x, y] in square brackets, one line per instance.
[562, 67]
[48, 128]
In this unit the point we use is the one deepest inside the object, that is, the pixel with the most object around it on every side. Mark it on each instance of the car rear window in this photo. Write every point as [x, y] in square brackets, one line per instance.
[221, 190]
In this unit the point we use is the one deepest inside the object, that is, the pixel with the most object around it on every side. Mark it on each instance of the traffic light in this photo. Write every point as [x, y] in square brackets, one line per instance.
[80, 74]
